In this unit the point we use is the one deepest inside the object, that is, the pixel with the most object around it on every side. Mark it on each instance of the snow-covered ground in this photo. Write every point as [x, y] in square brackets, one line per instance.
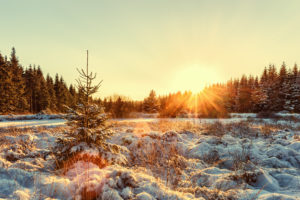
[61, 122]
[161, 159]
[30, 117]
[57, 120]
[33, 123]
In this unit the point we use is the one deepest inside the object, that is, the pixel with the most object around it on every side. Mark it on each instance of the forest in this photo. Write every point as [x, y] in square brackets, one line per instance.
[28, 90]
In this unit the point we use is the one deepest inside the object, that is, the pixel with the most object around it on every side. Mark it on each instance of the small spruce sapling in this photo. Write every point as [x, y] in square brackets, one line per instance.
[87, 122]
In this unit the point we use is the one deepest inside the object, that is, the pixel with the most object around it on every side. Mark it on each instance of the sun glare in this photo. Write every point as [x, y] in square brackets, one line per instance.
[194, 78]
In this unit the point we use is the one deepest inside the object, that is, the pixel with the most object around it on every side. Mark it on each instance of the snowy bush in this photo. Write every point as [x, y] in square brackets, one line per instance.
[241, 129]
[211, 157]
[216, 129]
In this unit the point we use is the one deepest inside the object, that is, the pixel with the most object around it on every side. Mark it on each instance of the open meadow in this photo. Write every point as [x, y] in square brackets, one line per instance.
[242, 157]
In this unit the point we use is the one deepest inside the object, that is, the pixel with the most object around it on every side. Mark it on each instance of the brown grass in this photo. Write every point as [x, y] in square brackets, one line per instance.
[266, 130]
[216, 129]
[178, 126]
[163, 160]
[162, 125]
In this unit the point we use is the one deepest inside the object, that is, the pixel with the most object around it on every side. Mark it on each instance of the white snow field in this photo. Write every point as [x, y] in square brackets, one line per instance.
[33, 123]
[160, 159]
[37, 120]
[19, 121]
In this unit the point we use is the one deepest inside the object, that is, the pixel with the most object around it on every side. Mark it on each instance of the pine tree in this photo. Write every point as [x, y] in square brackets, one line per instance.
[273, 89]
[264, 78]
[259, 99]
[109, 105]
[295, 70]
[119, 108]
[295, 89]
[260, 95]
[151, 103]
[73, 97]
[18, 92]
[6, 87]
[244, 95]
[278, 92]
[87, 121]
[51, 92]
[43, 98]
[29, 87]
[64, 94]
[61, 93]
[287, 88]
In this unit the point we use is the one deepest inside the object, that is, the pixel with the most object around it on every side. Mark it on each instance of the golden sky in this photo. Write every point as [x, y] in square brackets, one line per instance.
[139, 45]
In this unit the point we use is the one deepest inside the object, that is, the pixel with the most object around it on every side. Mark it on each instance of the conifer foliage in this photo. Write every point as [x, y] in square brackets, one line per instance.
[274, 92]
[87, 119]
[27, 90]
[150, 104]
[88, 128]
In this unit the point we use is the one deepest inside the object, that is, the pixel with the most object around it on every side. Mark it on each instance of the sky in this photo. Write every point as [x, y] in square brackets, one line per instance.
[138, 45]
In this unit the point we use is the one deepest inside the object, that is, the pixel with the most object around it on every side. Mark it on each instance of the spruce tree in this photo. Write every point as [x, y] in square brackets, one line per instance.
[279, 89]
[295, 70]
[295, 90]
[243, 100]
[6, 87]
[35, 90]
[43, 98]
[261, 94]
[18, 92]
[87, 122]
[273, 89]
[51, 92]
[151, 103]
[118, 108]
[29, 86]
[73, 97]
[108, 106]
[259, 99]
[61, 93]
[287, 88]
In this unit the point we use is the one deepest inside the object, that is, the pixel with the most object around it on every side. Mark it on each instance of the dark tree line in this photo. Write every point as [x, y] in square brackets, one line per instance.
[121, 107]
[274, 91]
[29, 91]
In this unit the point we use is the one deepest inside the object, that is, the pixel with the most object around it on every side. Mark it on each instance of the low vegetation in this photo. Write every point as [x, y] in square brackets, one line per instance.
[169, 159]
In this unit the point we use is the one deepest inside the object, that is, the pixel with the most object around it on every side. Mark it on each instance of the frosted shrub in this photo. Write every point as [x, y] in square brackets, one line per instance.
[160, 155]
[241, 129]
[212, 157]
[244, 169]
[216, 129]
[266, 130]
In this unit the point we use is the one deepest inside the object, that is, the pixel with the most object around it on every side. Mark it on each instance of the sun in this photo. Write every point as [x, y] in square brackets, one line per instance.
[194, 77]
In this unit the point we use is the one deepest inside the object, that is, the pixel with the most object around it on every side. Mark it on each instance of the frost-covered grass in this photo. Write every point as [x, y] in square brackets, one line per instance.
[160, 159]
